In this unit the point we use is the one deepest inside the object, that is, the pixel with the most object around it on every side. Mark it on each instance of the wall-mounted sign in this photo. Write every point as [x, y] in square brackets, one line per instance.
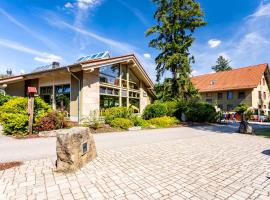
[84, 148]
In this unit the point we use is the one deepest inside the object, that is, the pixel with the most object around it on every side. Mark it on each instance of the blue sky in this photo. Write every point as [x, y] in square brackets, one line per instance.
[37, 32]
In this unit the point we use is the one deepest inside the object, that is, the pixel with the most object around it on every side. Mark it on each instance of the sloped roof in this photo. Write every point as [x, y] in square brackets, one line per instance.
[91, 64]
[241, 78]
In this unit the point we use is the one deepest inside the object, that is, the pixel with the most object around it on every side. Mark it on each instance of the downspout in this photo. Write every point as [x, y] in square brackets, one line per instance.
[79, 84]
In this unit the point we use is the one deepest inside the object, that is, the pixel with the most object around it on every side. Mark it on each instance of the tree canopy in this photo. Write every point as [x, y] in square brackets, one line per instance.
[222, 64]
[176, 22]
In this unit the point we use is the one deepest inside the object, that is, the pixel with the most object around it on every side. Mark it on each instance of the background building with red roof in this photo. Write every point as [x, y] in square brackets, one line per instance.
[247, 85]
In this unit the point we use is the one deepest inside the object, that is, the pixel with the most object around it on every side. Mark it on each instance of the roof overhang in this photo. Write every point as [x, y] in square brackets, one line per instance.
[13, 79]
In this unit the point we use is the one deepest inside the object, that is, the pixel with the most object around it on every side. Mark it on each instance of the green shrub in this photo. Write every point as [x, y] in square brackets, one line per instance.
[200, 112]
[51, 121]
[163, 122]
[14, 123]
[122, 123]
[4, 98]
[117, 112]
[171, 107]
[154, 110]
[138, 121]
[92, 120]
[18, 106]
[41, 108]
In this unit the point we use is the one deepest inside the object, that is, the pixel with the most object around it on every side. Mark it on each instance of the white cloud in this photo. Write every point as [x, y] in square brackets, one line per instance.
[47, 58]
[194, 72]
[213, 43]
[69, 5]
[39, 55]
[38, 36]
[147, 55]
[22, 71]
[263, 10]
[85, 4]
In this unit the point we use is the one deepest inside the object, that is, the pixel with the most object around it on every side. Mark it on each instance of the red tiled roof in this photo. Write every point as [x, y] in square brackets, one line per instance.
[241, 78]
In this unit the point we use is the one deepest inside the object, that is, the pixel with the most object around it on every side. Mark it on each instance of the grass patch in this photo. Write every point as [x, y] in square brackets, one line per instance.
[263, 132]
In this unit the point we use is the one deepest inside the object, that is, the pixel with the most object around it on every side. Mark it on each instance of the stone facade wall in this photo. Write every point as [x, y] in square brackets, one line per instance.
[145, 98]
[74, 96]
[90, 92]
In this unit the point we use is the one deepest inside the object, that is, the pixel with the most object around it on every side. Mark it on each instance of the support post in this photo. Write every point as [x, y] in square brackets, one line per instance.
[31, 113]
[31, 101]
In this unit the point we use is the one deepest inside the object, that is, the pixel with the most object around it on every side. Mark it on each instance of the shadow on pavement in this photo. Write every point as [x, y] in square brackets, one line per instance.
[266, 152]
[218, 128]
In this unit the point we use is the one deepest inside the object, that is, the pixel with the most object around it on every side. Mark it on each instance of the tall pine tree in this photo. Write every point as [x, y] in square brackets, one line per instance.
[176, 23]
[222, 64]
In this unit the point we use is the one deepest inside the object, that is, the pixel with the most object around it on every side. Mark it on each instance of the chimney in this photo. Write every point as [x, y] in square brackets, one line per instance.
[55, 65]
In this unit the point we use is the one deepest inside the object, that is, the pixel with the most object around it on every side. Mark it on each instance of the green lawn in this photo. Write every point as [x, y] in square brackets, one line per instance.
[263, 132]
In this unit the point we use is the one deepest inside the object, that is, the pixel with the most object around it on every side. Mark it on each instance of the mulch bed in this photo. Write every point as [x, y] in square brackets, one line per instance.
[105, 130]
[8, 165]
[26, 136]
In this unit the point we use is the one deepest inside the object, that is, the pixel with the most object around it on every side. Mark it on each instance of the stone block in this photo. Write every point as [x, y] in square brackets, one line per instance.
[75, 147]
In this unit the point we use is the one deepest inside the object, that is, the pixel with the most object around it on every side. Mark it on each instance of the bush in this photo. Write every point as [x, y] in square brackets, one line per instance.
[171, 107]
[52, 121]
[122, 123]
[117, 112]
[4, 98]
[14, 123]
[154, 110]
[18, 106]
[163, 122]
[138, 121]
[200, 112]
[41, 108]
[92, 120]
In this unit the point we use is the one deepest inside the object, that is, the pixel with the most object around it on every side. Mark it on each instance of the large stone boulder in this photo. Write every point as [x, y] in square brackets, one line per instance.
[75, 147]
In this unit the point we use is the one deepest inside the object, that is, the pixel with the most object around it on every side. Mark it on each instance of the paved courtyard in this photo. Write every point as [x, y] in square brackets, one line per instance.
[181, 163]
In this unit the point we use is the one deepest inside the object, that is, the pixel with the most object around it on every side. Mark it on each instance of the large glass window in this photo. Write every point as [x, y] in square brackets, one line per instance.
[110, 74]
[135, 104]
[229, 95]
[62, 97]
[241, 95]
[220, 96]
[108, 101]
[110, 95]
[134, 82]
[46, 94]
[109, 91]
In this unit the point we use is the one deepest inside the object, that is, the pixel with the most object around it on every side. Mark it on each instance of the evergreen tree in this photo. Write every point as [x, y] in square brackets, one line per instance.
[176, 22]
[222, 64]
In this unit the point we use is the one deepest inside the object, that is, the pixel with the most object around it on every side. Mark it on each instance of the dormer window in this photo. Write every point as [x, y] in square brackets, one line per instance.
[213, 82]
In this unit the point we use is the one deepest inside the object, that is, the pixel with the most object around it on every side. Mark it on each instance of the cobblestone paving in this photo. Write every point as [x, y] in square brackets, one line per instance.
[219, 166]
